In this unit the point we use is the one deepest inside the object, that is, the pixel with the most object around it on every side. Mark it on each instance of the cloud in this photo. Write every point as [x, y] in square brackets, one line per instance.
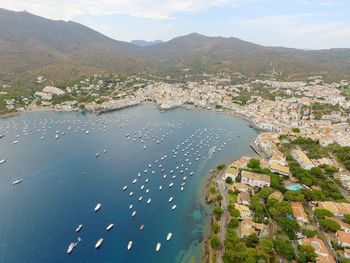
[68, 9]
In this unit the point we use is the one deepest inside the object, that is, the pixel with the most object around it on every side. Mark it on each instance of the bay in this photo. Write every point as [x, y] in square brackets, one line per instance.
[63, 180]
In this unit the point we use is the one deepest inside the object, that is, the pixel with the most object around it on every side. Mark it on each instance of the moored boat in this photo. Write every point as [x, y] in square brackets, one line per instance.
[99, 243]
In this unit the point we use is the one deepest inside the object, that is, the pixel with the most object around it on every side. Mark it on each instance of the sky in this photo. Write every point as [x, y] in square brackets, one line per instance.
[306, 24]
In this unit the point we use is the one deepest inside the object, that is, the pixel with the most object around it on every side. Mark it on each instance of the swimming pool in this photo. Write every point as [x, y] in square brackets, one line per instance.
[295, 187]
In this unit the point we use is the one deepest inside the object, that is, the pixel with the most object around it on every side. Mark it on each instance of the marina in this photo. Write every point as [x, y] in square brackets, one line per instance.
[133, 184]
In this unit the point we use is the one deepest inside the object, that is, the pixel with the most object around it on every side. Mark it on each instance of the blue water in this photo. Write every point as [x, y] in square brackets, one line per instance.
[295, 187]
[63, 181]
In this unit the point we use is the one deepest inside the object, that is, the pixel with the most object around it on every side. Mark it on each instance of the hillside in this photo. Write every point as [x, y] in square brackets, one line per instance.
[31, 45]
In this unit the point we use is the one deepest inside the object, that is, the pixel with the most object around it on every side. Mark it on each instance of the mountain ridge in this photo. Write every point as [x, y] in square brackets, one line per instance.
[60, 50]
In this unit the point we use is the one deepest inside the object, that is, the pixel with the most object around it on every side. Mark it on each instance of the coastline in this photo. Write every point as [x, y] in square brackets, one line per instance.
[224, 111]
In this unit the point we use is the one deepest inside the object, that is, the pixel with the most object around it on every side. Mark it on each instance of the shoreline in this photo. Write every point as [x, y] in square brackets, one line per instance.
[224, 111]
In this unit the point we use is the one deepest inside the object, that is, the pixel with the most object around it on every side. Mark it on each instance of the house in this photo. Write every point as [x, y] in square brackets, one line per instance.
[241, 163]
[231, 172]
[320, 248]
[275, 167]
[302, 159]
[241, 187]
[247, 228]
[277, 195]
[244, 211]
[243, 198]
[298, 212]
[255, 179]
[343, 238]
[338, 209]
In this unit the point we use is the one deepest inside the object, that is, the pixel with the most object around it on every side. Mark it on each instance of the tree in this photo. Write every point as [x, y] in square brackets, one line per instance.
[229, 180]
[289, 226]
[253, 163]
[220, 166]
[217, 212]
[267, 246]
[295, 129]
[347, 218]
[234, 223]
[265, 192]
[292, 195]
[215, 242]
[307, 254]
[252, 240]
[309, 232]
[329, 225]
[216, 228]
[321, 213]
[284, 249]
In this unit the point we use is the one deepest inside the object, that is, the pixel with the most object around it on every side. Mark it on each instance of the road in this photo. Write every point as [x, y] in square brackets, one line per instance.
[224, 217]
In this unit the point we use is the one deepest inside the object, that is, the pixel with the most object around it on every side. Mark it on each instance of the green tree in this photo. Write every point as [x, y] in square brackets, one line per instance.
[309, 232]
[292, 195]
[253, 163]
[321, 213]
[284, 249]
[220, 166]
[215, 242]
[234, 223]
[217, 212]
[229, 180]
[216, 228]
[267, 246]
[307, 254]
[289, 226]
[252, 240]
[347, 218]
[329, 225]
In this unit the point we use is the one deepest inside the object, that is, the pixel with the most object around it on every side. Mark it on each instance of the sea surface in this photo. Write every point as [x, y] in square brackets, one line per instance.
[54, 154]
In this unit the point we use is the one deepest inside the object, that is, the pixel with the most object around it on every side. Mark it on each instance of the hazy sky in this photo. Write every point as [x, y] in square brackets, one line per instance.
[310, 24]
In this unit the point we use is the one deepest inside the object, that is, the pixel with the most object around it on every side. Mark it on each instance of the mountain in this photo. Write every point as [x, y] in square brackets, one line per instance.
[31, 45]
[144, 43]
[232, 54]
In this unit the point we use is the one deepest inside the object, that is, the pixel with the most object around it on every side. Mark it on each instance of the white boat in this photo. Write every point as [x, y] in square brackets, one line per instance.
[131, 193]
[71, 247]
[98, 243]
[149, 201]
[104, 151]
[169, 236]
[78, 228]
[125, 187]
[133, 214]
[135, 180]
[146, 181]
[129, 245]
[131, 206]
[2, 161]
[97, 207]
[17, 181]
[171, 184]
[56, 136]
[158, 246]
[160, 188]
[171, 199]
[140, 198]
[97, 154]
[173, 207]
[109, 227]
[14, 142]
[147, 190]
[142, 187]
[182, 188]
[191, 173]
